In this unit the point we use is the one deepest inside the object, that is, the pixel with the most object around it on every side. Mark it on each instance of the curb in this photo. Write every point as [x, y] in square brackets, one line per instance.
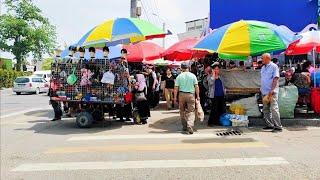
[287, 122]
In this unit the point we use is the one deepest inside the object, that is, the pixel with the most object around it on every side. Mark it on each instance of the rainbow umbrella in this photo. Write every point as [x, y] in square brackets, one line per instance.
[121, 31]
[241, 39]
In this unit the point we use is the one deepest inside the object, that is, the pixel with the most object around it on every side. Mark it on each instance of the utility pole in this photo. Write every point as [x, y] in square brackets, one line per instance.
[133, 9]
[164, 30]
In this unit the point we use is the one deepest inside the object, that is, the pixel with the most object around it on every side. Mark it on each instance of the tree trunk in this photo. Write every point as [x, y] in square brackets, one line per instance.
[19, 63]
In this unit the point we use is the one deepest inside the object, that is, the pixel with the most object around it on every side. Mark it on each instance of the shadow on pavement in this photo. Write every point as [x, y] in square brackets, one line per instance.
[220, 140]
[68, 126]
[40, 113]
[173, 125]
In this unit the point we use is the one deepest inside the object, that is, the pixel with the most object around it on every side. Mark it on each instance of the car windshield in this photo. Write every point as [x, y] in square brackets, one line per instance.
[38, 75]
[22, 80]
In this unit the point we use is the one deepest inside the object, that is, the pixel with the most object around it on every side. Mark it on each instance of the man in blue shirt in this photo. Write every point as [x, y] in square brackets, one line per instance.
[270, 90]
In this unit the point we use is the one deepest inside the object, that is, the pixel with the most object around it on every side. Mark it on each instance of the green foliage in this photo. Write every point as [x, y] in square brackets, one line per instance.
[24, 30]
[7, 77]
[46, 65]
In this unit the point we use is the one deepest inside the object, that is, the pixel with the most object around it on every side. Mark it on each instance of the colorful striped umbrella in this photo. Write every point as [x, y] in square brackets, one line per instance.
[246, 38]
[121, 31]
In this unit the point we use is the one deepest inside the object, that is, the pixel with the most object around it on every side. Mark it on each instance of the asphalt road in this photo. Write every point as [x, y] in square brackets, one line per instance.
[12, 104]
[32, 147]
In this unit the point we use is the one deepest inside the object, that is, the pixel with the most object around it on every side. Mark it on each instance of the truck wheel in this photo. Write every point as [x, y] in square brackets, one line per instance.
[84, 120]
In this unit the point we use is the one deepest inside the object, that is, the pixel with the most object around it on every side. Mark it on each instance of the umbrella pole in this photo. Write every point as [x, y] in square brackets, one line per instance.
[314, 65]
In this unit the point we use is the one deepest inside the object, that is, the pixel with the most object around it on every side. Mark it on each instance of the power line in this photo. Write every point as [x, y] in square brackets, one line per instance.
[148, 7]
[157, 9]
[144, 9]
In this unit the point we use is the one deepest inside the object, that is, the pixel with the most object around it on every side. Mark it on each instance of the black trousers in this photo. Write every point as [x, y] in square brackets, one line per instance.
[218, 107]
[56, 105]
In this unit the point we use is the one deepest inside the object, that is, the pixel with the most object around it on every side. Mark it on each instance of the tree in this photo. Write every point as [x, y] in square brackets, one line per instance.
[23, 30]
[46, 65]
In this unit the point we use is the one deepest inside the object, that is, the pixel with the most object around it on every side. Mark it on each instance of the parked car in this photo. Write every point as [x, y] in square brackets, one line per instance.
[44, 74]
[30, 84]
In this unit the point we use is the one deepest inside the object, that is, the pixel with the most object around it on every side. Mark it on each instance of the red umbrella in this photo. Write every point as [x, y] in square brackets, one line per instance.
[183, 50]
[309, 41]
[143, 51]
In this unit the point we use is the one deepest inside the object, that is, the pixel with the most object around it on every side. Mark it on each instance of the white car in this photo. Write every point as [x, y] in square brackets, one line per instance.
[30, 84]
[43, 74]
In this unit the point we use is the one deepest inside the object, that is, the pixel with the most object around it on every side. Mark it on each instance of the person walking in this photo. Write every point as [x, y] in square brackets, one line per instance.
[169, 88]
[216, 95]
[187, 86]
[270, 90]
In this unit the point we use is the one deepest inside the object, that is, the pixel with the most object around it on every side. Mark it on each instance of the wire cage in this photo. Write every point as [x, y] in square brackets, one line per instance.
[89, 86]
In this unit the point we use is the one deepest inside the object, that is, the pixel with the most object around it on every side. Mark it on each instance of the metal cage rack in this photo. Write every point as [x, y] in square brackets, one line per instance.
[91, 90]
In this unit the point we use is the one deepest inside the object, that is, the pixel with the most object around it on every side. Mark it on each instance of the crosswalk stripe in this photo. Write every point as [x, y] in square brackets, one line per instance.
[155, 147]
[142, 136]
[151, 164]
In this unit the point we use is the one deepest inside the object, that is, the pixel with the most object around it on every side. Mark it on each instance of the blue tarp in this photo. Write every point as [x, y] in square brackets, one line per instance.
[295, 14]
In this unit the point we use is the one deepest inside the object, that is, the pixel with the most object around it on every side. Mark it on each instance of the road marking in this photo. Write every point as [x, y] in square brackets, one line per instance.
[23, 112]
[154, 147]
[151, 164]
[141, 136]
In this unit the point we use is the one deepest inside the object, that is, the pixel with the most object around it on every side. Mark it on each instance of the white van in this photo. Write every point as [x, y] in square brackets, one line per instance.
[43, 74]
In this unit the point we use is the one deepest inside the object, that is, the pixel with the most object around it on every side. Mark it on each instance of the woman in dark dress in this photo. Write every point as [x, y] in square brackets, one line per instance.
[217, 95]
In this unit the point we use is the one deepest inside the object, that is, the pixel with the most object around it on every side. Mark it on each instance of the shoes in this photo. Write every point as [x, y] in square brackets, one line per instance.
[268, 128]
[56, 119]
[189, 130]
[276, 130]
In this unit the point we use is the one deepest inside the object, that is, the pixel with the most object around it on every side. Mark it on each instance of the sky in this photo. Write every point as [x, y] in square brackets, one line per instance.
[73, 18]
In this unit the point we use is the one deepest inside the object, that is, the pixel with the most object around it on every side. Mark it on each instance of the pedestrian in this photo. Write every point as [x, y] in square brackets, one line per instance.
[187, 86]
[140, 98]
[151, 86]
[216, 95]
[56, 105]
[270, 90]
[169, 88]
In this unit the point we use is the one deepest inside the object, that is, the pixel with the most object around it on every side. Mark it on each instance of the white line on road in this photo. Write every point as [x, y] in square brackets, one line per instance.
[22, 112]
[151, 164]
[141, 136]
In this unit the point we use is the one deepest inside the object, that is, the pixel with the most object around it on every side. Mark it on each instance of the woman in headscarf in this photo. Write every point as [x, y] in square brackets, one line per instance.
[140, 98]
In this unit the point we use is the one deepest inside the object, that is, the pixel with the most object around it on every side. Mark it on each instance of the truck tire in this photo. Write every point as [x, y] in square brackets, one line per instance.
[18, 93]
[84, 120]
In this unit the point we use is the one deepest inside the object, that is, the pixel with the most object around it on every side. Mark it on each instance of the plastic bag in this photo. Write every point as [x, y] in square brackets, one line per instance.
[225, 119]
[199, 111]
[250, 105]
[288, 97]
[72, 78]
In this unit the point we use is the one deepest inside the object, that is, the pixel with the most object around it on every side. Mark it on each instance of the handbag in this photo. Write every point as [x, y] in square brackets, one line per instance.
[140, 96]
[72, 78]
